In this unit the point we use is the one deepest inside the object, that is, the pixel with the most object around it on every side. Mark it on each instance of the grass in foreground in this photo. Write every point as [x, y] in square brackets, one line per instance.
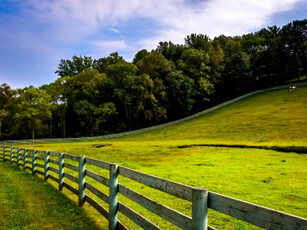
[29, 203]
[273, 179]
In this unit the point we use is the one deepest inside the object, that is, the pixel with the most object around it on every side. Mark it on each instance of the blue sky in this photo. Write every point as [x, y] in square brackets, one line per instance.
[36, 34]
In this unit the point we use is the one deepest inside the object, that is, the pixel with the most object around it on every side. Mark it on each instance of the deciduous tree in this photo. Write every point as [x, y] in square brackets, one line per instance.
[32, 104]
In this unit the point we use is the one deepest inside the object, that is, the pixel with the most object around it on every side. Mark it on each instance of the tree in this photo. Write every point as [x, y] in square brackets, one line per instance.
[91, 115]
[237, 74]
[146, 106]
[217, 63]
[194, 63]
[86, 100]
[72, 67]
[198, 41]
[102, 64]
[180, 93]
[121, 78]
[170, 51]
[155, 65]
[271, 63]
[32, 104]
[6, 95]
[139, 55]
[294, 37]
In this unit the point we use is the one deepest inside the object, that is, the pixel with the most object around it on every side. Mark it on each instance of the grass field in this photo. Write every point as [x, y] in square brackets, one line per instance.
[28, 203]
[273, 179]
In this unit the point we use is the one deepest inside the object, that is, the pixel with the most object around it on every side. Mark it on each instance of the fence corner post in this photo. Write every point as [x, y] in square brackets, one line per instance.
[81, 180]
[34, 162]
[46, 165]
[25, 159]
[12, 154]
[113, 207]
[61, 171]
[199, 209]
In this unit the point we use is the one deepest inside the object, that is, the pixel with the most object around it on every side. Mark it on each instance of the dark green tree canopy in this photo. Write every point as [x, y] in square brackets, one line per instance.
[72, 67]
[155, 65]
[139, 56]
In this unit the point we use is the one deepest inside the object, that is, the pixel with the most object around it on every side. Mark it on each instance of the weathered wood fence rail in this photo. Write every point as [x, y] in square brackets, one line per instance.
[201, 198]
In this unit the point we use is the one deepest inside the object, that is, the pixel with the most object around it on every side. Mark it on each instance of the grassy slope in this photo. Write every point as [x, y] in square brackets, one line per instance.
[273, 179]
[28, 203]
[272, 118]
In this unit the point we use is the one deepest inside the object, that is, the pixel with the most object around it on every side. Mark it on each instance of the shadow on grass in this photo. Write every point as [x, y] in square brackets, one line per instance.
[27, 202]
[285, 149]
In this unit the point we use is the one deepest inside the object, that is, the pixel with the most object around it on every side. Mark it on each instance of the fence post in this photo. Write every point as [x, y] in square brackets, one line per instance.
[25, 159]
[12, 154]
[4, 152]
[18, 156]
[46, 165]
[81, 180]
[61, 171]
[199, 209]
[34, 162]
[113, 196]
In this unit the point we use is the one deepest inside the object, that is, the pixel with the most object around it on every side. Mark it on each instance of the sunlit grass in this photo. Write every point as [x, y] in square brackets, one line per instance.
[29, 203]
[273, 179]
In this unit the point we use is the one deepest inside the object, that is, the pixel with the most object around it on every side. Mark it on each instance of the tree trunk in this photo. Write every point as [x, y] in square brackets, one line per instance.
[33, 130]
[126, 112]
[0, 127]
[92, 125]
[50, 128]
[64, 123]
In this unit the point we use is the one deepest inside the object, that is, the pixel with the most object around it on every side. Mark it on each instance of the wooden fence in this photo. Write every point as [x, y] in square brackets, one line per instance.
[200, 198]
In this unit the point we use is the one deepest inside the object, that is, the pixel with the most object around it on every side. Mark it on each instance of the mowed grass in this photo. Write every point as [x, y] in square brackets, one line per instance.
[272, 118]
[29, 203]
[273, 179]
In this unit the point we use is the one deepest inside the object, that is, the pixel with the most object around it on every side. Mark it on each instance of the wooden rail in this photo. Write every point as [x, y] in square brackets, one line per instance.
[201, 198]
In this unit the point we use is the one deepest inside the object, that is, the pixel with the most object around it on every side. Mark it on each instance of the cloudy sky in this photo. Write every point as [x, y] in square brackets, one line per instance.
[36, 34]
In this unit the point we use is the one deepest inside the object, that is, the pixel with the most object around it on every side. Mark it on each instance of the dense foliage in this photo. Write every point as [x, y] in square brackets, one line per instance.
[95, 97]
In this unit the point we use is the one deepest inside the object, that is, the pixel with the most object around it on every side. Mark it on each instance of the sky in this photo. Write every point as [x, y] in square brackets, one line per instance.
[36, 34]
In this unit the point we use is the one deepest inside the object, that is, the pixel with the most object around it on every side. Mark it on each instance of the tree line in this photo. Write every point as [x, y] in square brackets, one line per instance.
[108, 95]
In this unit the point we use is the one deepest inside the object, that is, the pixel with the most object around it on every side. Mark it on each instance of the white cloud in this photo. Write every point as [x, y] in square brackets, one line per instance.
[114, 30]
[77, 19]
[104, 48]
[216, 17]
[117, 45]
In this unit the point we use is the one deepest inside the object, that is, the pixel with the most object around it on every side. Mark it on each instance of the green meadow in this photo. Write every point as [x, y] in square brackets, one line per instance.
[266, 177]
[28, 203]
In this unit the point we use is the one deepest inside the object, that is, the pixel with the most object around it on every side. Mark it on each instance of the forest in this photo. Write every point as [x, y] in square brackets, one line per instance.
[109, 95]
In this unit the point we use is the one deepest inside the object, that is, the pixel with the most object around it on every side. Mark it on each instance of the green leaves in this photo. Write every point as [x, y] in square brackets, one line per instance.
[32, 104]
[72, 67]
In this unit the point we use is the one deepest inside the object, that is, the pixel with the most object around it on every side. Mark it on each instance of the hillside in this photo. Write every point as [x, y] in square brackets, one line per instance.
[272, 118]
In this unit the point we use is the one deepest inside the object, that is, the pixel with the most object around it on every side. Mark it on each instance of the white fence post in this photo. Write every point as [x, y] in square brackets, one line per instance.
[34, 162]
[81, 180]
[18, 156]
[4, 152]
[25, 159]
[113, 196]
[199, 209]
[61, 171]
[12, 154]
[46, 165]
